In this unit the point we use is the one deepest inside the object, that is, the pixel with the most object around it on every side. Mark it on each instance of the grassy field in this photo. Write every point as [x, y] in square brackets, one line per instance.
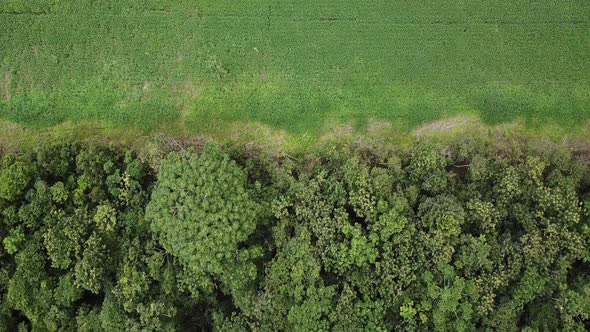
[299, 66]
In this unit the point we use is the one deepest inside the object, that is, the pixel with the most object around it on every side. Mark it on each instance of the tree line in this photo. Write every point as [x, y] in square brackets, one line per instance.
[470, 235]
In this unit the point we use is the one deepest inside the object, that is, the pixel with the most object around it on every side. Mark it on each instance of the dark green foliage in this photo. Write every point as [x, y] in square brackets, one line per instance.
[472, 236]
[77, 253]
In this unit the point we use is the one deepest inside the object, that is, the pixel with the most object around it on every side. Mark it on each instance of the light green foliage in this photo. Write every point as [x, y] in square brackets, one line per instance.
[451, 300]
[59, 193]
[14, 177]
[132, 286]
[391, 222]
[401, 258]
[64, 237]
[361, 187]
[14, 239]
[482, 214]
[106, 218]
[407, 311]
[356, 250]
[203, 213]
[427, 168]
[441, 218]
[509, 187]
[90, 270]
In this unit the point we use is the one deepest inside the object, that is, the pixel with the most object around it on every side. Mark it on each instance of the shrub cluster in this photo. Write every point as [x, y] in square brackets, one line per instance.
[466, 237]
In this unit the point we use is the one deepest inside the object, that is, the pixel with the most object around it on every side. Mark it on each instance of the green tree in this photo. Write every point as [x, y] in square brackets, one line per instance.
[203, 214]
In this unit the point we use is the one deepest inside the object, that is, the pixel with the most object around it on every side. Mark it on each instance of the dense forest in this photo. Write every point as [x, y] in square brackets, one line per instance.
[473, 235]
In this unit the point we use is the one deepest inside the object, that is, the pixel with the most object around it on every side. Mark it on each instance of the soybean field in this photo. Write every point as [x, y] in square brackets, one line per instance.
[297, 66]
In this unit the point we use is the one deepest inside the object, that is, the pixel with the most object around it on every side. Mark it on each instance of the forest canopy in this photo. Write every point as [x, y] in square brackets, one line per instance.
[471, 235]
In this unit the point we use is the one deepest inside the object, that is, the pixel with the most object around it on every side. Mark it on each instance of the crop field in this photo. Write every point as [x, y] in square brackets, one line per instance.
[296, 65]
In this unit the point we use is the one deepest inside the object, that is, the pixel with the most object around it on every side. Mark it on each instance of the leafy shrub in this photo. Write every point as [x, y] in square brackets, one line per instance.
[345, 238]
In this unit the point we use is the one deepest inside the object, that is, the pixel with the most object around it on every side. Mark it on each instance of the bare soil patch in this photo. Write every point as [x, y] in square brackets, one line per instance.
[5, 86]
[444, 125]
[187, 89]
[378, 126]
[185, 93]
[145, 89]
[343, 130]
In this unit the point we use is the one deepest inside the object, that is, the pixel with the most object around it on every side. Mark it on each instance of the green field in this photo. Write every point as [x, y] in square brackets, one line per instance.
[298, 66]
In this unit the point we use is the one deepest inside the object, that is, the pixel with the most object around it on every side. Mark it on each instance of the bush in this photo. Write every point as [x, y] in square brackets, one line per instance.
[472, 236]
